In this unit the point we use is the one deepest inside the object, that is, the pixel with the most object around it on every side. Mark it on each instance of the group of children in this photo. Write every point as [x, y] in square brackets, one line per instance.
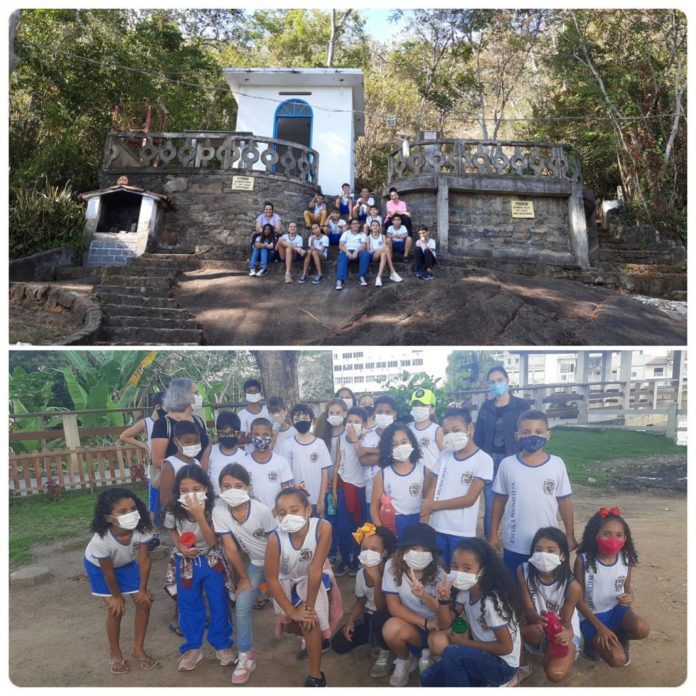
[364, 239]
[289, 503]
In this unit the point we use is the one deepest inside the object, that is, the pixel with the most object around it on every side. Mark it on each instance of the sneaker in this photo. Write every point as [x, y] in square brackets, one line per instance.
[288, 278]
[395, 277]
[353, 571]
[325, 645]
[341, 570]
[252, 272]
[627, 655]
[263, 271]
[318, 279]
[402, 671]
[382, 665]
[408, 259]
[363, 282]
[427, 275]
[339, 286]
[420, 274]
[378, 282]
[226, 657]
[245, 666]
[515, 681]
[302, 279]
[190, 659]
[589, 653]
[523, 672]
[313, 681]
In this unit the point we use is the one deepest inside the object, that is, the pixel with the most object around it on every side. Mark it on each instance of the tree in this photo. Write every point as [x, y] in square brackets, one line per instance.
[315, 374]
[278, 373]
[466, 369]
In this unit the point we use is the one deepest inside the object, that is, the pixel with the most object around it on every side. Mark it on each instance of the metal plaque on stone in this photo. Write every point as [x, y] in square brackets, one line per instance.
[242, 183]
[522, 209]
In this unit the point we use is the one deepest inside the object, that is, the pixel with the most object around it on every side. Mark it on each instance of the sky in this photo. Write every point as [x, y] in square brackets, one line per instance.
[378, 25]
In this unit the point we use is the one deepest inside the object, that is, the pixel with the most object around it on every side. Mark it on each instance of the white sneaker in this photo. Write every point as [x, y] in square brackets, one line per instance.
[252, 272]
[339, 285]
[395, 277]
[515, 681]
[363, 281]
[245, 666]
[378, 282]
[382, 665]
[190, 659]
[227, 656]
[402, 671]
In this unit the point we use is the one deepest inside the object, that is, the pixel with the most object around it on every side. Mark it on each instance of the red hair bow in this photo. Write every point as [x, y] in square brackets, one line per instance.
[603, 512]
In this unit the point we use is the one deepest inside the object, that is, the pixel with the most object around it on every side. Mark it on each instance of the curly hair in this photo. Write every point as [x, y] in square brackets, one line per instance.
[496, 581]
[388, 539]
[385, 444]
[588, 544]
[399, 566]
[105, 504]
[562, 574]
[195, 473]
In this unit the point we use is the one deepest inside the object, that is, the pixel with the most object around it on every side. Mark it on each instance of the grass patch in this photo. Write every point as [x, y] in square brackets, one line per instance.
[584, 451]
[37, 519]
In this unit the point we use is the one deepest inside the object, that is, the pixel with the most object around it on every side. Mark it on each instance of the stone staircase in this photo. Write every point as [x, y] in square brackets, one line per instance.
[137, 307]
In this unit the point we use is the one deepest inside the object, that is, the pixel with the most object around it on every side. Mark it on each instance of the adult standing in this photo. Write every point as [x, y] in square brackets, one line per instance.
[180, 401]
[495, 429]
[269, 217]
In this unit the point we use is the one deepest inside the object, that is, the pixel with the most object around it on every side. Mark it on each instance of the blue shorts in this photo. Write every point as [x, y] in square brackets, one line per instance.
[417, 649]
[127, 578]
[541, 648]
[334, 238]
[399, 245]
[611, 619]
[155, 506]
[296, 600]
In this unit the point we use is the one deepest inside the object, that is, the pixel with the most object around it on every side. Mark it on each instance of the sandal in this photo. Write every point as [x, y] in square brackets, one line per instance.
[147, 662]
[118, 666]
[175, 629]
[261, 603]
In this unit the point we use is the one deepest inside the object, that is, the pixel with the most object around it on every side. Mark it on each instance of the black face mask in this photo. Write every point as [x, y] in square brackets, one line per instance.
[229, 442]
[303, 426]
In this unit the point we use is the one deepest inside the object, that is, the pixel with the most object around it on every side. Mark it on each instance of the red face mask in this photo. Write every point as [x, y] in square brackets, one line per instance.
[609, 545]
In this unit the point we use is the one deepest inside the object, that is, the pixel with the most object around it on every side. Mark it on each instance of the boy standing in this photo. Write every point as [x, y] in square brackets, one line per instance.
[368, 452]
[531, 488]
[253, 409]
[282, 430]
[428, 433]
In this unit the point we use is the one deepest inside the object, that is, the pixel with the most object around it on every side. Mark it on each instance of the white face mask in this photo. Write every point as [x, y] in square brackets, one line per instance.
[463, 581]
[129, 521]
[383, 420]
[197, 404]
[235, 496]
[199, 495]
[278, 418]
[348, 402]
[292, 523]
[545, 562]
[456, 441]
[252, 398]
[417, 560]
[402, 453]
[190, 450]
[370, 558]
[357, 428]
[420, 413]
[335, 421]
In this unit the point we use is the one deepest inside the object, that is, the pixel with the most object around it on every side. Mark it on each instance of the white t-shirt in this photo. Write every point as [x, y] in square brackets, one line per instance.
[307, 462]
[482, 626]
[370, 219]
[427, 440]
[550, 597]
[321, 244]
[352, 241]
[351, 471]
[218, 461]
[370, 440]
[336, 227]
[250, 534]
[179, 463]
[266, 479]
[375, 243]
[109, 546]
[246, 417]
[405, 490]
[401, 233]
[361, 202]
[362, 589]
[605, 584]
[408, 599]
[294, 563]
[454, 478]
[281, 437]
[533, 493]
[296, 241]
[186, 525]
[429, 245]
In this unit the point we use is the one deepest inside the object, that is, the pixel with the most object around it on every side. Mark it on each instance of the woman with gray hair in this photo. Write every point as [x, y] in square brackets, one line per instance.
[180, 401]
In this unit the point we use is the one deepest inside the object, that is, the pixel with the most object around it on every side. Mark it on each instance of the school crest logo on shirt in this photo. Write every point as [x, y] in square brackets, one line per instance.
[549, 486]
[553, 606]
[619, 583]
[314, 457]
[467, 477]
[259, 534]
[482, 623]
[425, 442]
[305, 554]
[414, 489]
[272, 475]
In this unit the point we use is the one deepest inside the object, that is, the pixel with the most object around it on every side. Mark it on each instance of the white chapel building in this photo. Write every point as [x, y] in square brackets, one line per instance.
[321, 108]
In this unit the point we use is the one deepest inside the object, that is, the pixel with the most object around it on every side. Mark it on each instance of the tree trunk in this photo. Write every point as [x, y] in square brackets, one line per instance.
[336, 29]
[278, 370]
[14, 23]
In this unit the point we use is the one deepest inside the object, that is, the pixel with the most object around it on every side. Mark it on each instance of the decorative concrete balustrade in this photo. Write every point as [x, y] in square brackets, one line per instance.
[209, 151]
[485, 157]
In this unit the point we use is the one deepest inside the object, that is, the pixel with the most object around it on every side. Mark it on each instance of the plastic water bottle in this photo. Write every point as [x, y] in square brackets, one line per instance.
[425, 661]
[460, 625]
[330, 508]
[553, 628]
[387, 513]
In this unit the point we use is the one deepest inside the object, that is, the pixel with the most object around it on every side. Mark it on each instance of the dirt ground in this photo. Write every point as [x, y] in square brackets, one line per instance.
[31, 323]
[57, 636]
[233, 308]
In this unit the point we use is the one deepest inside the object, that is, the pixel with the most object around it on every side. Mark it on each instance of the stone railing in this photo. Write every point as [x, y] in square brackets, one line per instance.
[477, 157]
[218, 150]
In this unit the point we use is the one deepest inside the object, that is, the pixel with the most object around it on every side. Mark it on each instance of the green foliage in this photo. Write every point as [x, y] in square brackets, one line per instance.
[44, 218]
[315, 374]
[401, 390]
[467, 369]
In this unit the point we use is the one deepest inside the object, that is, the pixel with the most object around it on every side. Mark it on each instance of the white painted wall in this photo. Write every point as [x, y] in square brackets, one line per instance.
[332, 133]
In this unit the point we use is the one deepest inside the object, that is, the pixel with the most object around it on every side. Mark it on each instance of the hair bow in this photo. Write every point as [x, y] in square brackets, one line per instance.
[368, 529]
[604, 512]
